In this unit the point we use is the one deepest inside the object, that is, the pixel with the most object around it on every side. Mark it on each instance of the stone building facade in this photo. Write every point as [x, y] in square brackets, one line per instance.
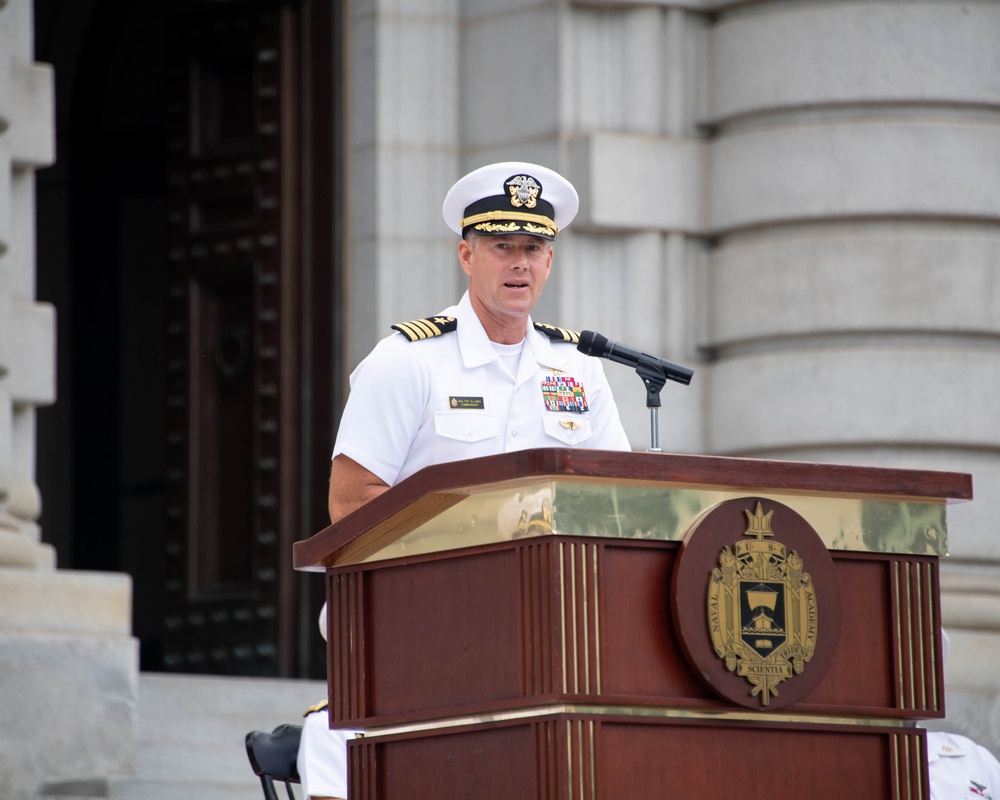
[800, 199]
[63, 634]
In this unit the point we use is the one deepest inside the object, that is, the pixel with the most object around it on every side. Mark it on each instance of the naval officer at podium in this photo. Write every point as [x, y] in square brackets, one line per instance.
[478, 378]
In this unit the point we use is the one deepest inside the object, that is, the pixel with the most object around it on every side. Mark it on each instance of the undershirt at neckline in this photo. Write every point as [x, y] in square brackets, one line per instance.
[510, 355]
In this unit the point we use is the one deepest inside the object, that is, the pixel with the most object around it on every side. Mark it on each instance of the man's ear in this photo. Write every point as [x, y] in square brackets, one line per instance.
[465, 256]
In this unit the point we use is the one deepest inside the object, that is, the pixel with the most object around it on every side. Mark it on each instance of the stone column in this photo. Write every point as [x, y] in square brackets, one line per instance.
[853, 288]
[402, 150]
[68, 664]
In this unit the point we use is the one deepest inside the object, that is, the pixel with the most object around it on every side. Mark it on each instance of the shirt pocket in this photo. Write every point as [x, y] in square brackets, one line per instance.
[571, 429]
[466, 426]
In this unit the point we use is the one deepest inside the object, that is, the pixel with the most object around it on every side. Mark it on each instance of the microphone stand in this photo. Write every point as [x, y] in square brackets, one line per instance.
[654, 376]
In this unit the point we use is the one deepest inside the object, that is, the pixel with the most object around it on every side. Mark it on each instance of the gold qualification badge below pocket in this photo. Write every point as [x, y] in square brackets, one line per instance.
[567, 428]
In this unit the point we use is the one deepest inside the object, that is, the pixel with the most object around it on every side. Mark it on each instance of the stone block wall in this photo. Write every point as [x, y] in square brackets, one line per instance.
[69, 666]
[799, 199]
[852, 286]
[27, 328]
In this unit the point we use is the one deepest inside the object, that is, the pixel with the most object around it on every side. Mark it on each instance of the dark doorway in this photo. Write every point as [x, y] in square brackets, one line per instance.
[195, 273]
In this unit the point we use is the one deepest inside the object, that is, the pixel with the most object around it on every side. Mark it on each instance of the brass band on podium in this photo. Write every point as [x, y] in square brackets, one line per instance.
[658, 512]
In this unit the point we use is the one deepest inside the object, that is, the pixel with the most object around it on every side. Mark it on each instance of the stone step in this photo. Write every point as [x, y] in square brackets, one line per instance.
[208, 730]
[136, 789]
[171, 699]
[190, 738]
[199, 710]
[220, 762]
[195, 726]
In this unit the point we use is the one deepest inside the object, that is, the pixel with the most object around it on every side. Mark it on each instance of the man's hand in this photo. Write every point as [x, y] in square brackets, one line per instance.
[351, 486]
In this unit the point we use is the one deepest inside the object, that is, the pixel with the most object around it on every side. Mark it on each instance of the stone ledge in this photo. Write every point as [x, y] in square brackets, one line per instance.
[855, 168]
[32, 131]
[32, 377]
[65, 602]
[614, 174]
[16, 550]
[136, 789]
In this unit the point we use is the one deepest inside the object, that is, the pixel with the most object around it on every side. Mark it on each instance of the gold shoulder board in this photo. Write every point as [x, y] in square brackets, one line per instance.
[426, 328]
[557, 333]
[318, 707]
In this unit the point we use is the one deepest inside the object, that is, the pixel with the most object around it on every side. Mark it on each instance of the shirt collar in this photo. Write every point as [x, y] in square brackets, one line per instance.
[473, 343]
[944, 746]
[476, 349]
[543, 351]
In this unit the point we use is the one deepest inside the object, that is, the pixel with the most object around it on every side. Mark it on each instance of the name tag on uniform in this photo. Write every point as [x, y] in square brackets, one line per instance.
[564, 393]
[466, 402]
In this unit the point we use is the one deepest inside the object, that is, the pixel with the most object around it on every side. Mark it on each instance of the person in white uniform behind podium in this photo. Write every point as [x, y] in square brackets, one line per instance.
[958, 767]
[322, 756]
[480, 377]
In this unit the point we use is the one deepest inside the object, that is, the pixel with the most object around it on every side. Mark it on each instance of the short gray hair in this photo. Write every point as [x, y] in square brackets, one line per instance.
[472, 237]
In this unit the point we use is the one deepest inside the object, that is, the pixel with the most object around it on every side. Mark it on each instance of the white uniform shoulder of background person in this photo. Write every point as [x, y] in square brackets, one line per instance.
[322, 755]
[959, 768]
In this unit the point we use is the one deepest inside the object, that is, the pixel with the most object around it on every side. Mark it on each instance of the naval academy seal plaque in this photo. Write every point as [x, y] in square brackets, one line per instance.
[756, 602]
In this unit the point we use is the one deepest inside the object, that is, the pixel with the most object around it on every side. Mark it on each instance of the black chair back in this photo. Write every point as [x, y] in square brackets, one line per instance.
[272, 756]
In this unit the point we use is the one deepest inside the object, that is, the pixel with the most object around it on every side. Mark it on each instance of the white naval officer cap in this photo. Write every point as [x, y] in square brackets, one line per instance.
[511, 197]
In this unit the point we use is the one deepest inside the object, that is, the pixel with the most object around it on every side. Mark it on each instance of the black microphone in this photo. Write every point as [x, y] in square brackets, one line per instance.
[593, 344]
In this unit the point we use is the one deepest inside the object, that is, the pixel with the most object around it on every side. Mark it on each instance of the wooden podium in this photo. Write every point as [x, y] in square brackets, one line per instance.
[563, 624]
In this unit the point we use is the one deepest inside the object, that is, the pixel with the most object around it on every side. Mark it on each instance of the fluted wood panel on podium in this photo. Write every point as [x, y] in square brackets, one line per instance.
[553, 624]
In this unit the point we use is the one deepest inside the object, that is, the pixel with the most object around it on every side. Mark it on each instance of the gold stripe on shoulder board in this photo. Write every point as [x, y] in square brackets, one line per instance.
[426, 328]
[557, 333]
[318, 707]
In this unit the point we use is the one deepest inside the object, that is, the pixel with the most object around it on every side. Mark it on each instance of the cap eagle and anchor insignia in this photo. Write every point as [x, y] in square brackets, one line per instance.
[523, 191]
[762, 609]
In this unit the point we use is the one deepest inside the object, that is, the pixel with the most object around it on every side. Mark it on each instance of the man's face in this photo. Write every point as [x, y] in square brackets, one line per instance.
[506, 274]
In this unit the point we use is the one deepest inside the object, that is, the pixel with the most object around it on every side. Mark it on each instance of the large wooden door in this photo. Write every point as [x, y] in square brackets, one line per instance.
[235, 336]
[196, 272]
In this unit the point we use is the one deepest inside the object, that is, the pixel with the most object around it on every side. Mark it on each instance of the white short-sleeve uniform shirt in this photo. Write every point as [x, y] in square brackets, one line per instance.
[450, 397]
[959, 768]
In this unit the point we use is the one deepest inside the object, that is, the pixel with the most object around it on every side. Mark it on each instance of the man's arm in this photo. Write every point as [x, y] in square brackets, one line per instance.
[351, 486]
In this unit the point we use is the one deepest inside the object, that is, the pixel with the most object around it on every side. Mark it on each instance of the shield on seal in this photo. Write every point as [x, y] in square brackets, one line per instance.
[762, 616]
